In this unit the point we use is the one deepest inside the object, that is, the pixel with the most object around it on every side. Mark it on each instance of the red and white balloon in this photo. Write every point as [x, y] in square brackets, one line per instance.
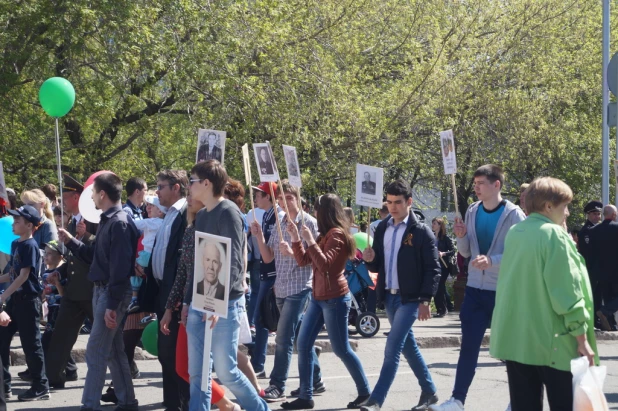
[86, 204]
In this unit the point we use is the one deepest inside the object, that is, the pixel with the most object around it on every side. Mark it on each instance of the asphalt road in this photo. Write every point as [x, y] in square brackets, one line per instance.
[489, 392]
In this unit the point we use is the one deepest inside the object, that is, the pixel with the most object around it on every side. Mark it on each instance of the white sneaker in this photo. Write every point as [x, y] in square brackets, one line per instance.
[450, 405]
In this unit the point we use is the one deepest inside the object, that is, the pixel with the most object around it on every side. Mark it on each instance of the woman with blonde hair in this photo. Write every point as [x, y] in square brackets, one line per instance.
[47, 231]
[543, 316]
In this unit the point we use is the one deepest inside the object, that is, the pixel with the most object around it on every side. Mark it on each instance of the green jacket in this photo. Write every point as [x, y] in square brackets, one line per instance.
[543, 299]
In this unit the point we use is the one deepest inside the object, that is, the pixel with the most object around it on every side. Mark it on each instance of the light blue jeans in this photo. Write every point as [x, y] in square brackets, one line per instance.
[401, 339]
[333, 313]
[223, 353]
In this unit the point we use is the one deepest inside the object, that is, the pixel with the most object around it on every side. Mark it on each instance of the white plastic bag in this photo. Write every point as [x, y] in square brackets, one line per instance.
[588, 386]
[245, 332]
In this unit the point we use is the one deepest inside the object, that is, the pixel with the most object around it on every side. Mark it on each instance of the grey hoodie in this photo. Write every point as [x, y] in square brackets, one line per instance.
[468, 246]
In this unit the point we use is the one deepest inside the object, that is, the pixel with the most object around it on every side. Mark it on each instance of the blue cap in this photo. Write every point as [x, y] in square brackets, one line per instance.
[28, 212]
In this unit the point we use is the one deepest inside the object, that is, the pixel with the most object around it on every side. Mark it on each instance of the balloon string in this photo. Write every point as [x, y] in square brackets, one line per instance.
[59, 173]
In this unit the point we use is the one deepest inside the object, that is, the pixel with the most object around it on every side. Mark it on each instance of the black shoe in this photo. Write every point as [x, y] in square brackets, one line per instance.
[25, 375]
[109, 396]
[84, 330]
[261, 375]
[56, 385]
[360, 400]
[425, 401]
[273, 394]
[318, 388]
[298, 404]
[72, 376]
[133, 307]
[439, 315]
[34, 395]
[8, 393]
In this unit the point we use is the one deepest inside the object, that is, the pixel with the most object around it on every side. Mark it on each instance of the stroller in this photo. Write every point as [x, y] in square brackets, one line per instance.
[366, 323]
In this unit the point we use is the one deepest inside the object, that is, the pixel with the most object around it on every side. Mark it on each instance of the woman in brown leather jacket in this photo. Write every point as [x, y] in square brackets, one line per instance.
[331, 298]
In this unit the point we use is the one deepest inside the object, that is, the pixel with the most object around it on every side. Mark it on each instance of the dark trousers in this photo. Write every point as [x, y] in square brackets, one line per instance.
[25, 313]
[175, 389]
[610, 298]
[526, 384]
[442, 298]
[131, 339]
[2, 393]
[66, 329]
[71, 367]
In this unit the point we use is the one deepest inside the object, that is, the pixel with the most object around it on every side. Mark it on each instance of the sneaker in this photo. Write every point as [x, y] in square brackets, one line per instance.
[450, 405]
[318, 388]
[605, 326]
[370, 405]
[133, 307]
[148, 319]
[261, 375]
[272, 334]
[273, 394]
[84, 330]
[109, 396]
[425, 401]
[25, 375]
[34, 395]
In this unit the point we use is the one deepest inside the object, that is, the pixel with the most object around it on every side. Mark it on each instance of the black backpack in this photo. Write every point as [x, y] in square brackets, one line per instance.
[269, 310]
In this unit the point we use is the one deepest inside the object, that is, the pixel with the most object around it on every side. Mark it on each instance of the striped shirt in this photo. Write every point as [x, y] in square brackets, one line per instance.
[163, 239]
[291, 279]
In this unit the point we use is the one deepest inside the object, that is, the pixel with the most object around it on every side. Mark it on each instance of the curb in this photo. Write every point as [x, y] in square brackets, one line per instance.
[79, 354]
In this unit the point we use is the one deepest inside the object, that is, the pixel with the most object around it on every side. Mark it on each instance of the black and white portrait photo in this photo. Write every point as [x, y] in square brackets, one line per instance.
[291, 162]
[211, 279]
[265, 162]
[210, 145]
[369, 185]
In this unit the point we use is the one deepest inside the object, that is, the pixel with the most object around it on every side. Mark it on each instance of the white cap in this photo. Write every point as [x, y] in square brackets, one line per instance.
[154, 200]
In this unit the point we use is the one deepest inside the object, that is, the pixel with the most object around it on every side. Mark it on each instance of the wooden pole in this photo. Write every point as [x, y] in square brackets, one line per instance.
[300, 205]
[368, 224]
[272, 193]
[455, 196]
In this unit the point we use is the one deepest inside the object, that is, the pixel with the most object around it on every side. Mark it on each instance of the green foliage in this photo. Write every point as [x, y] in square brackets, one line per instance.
[343, 81]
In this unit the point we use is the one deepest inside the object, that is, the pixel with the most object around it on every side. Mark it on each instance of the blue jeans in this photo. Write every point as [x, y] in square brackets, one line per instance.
[333, 313]
[401, 339]
[254, 283]
[291, 309]
[223, 353]
[261, 334]
[475, 315]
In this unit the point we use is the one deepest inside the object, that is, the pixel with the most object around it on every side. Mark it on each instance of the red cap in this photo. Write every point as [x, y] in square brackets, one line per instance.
[263, 187]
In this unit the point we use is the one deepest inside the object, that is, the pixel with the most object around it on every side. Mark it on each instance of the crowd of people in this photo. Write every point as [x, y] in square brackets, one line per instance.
[526, 280]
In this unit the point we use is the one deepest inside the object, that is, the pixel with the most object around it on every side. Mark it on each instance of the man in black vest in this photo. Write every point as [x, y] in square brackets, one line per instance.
[76, 304]
[172, 188]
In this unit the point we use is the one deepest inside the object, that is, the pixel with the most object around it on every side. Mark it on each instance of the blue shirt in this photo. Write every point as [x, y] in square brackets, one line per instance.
[26, 254]
[486, 223]
[393, 236]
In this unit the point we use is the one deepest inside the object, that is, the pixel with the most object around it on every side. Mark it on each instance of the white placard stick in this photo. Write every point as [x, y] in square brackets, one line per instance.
[300, 205]
[455, 196]
[368, 224]
[206, 359]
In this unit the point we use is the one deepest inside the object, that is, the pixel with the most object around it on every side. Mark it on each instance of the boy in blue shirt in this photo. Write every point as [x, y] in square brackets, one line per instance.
[22, 312]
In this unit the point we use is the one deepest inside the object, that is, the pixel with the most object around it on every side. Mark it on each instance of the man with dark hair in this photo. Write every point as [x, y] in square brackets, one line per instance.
[160, 274]
[51, 192]
[405, 256]
[112, 257]
[136, 190]
[480, 237]
[223, 218]
[293, 290]
[76, 304]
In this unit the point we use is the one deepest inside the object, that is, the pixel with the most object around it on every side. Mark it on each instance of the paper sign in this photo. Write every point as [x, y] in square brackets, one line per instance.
[211, 278]
[210, 145]
[291, 163]
[369, 186]
[265, 162]
[246, 161]
[447, 144]
[3, 193]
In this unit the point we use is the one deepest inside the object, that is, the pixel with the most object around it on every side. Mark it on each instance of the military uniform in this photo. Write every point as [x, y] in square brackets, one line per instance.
[76, 304]
[583, 245]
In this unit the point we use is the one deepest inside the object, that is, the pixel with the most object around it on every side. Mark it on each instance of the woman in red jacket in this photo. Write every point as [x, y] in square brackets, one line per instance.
[331, 298]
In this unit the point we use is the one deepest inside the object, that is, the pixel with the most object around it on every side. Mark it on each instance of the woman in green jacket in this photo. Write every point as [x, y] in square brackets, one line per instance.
[544, 313]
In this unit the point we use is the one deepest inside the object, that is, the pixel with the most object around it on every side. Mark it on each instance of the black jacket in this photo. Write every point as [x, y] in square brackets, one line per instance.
[445, 245]
[78, 286]
[112, 254]
[153, 296]
[418, 268]
[602, 255]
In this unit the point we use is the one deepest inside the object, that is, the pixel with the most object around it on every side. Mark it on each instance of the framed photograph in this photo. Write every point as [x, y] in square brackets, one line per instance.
[369, 185]
[447, 145]
[210, 145]
[291, 163]
[211, 276]
[265, 162]
[3, 193]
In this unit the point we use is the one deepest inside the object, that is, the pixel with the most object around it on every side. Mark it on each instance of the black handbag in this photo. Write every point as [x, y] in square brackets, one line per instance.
[269, 310]
[453, 267]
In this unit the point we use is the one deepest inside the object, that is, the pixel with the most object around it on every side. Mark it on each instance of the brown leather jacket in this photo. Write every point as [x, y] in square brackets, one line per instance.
[328, 258]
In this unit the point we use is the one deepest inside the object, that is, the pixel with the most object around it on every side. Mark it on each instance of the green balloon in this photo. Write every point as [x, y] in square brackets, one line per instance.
[361, 240]
[57, 96]
[150, 337]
